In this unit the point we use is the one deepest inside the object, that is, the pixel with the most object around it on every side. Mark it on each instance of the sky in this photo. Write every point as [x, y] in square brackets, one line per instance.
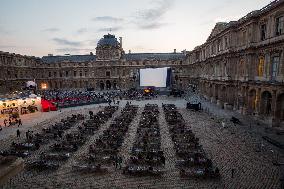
[41, 27]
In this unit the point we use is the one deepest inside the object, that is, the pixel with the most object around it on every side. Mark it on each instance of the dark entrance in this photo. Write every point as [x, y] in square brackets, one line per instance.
[108, 85]
[102, 85]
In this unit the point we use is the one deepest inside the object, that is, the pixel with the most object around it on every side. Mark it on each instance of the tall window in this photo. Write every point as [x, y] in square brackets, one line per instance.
[244, 37]
[261, 66]
[107, 73]
[263, 32]
[226, 42]
[242, 67]
[219, 45]
[75, 73]
[280, 25]
[275, 64]
[66, 73]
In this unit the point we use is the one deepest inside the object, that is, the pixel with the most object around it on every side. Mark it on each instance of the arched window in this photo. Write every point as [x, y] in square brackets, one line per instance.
[260, 66]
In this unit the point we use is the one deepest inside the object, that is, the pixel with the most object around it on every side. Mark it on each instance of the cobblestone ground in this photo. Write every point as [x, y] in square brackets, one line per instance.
[228, 148]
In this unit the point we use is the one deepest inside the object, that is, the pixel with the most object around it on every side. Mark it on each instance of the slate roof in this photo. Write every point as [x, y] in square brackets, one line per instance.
[70, 58]
[156, 56]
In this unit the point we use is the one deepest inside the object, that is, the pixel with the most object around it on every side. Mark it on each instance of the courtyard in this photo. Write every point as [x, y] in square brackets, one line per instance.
[230, 147]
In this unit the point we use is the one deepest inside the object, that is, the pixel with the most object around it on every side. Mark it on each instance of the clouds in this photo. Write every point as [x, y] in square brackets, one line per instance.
[107, 19]
[62, 41]
[110, 29]
[51, 30]
[146, 19]
[153, 25]
[74, 50]
[82, 30]
[151, 18]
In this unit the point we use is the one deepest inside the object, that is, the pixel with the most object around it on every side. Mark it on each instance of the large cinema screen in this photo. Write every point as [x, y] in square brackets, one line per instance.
[156, 77]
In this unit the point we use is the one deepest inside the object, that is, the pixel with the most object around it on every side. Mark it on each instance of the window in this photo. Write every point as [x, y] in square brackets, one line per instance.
[219, 45]
[49, 74]
[244, 37]
[275, 64]
[81, 74]
[263, 32]
[66, 73]
[260, 67]
[75, 73]
[226, 42]
[242, 67]
[280, 25]
[60, 74]
[107, 73]
[54, 74]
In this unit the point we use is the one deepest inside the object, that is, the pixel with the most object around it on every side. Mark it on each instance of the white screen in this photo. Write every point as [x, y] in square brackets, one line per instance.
[156, 77]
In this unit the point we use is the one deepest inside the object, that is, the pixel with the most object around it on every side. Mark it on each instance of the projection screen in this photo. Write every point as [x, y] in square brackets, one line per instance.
[157, 77]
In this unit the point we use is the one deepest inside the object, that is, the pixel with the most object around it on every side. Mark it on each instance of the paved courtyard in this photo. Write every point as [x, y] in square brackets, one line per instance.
[229, 148]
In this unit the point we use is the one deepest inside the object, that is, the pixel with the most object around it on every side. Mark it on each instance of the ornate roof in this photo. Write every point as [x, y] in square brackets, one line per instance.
[108, 40]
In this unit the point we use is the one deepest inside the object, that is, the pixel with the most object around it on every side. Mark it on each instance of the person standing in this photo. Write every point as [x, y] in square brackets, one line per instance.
[18, 133]
[5, 122]
[20, 122]
[233, 173]
[27, 135]
[119, 161]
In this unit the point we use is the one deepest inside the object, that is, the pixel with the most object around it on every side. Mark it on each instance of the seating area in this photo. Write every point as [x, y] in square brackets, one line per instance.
[33, 141]
[192, 160]
[104, 151]
[147, 158]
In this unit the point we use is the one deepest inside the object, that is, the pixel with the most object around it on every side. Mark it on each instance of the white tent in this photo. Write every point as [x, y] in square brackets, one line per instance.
[31, 83]
[33, 96]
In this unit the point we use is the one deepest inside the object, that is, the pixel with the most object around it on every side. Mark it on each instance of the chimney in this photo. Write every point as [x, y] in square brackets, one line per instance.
[175, 51]
[120, 41]
[129, 52]
[91, 53]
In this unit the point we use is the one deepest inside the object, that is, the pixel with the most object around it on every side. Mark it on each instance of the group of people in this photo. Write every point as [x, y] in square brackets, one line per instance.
[10, 122]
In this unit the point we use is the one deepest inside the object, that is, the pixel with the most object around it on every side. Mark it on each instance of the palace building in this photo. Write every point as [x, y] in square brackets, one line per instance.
[240, 66]
[110, 68]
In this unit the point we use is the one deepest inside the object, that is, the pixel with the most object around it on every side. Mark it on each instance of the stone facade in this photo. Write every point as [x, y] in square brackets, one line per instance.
[110, 68]
[241, 65]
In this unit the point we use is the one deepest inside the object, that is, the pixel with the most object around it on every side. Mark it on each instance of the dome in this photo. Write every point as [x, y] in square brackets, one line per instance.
[108, 40]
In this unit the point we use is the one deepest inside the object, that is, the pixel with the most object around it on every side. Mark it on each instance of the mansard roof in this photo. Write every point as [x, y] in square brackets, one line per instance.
[69, 58]
[131, 56]
[155, 56]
